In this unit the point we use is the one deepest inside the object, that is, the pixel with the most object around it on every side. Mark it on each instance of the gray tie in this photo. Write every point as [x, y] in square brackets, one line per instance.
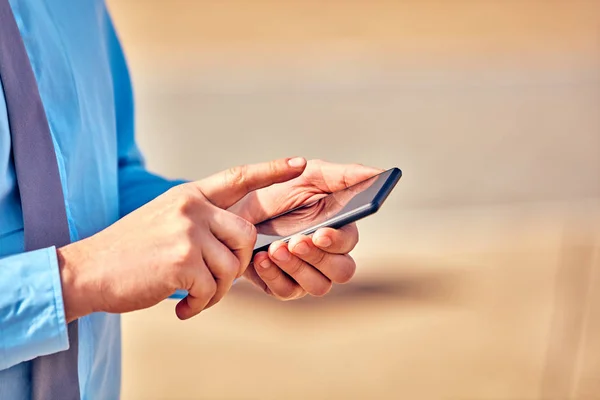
[44, 217]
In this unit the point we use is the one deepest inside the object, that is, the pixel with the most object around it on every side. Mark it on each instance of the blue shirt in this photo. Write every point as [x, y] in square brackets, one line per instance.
[86, 91]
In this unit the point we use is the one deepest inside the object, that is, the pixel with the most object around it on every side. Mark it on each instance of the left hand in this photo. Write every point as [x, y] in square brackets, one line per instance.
[305, 264]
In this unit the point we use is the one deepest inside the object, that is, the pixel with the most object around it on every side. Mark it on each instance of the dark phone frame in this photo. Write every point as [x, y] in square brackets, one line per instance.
[351, 216]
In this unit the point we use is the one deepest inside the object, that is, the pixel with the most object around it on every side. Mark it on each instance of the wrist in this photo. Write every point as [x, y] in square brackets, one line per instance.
[75, 288]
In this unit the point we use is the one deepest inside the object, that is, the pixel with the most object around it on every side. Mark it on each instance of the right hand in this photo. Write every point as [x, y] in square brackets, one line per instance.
[184, 239]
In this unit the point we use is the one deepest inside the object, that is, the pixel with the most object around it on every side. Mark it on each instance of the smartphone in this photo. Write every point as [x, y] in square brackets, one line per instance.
[333, 210]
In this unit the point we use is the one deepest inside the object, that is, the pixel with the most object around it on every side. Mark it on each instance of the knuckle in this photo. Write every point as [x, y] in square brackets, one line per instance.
[297, 267]
[231, 268]
[249, 232]
[252, 234]
[209, 288]
[318, 257]
[345, 175]
[185, 200]
[246, 231]
[183, 253]
[236, 177]
[187, 230]
[274, 168]
[268, 276]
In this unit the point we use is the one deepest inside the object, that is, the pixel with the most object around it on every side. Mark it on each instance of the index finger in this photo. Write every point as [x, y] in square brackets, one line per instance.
[226, 188]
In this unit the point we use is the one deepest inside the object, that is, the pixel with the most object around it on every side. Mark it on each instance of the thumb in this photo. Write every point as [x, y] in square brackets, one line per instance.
[227, 187]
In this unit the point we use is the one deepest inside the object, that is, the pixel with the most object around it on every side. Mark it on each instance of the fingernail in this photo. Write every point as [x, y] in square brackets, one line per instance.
[282, 254]
[323, 241]
[301, 248]
[296, 162]
[265, 264]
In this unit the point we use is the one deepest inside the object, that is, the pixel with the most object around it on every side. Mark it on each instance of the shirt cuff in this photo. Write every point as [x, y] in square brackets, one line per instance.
[32, 315]
[180, 294]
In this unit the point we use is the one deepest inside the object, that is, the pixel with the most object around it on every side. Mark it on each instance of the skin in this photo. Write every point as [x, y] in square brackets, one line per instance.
[306, 265]
[200, 236]
[313, 213]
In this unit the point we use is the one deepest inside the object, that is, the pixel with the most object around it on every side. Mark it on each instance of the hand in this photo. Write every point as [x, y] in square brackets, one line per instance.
[184, 239]
[305, 264]
[311, 214]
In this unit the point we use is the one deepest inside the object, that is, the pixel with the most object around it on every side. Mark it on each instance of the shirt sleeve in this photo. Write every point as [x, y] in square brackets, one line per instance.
[137, 185]
[32, 315]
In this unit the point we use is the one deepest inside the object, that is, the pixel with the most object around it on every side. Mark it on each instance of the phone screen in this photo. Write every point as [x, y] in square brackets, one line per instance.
[307, 218]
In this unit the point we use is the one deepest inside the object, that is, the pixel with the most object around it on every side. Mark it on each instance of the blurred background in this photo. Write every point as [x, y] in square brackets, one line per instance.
[480, 276]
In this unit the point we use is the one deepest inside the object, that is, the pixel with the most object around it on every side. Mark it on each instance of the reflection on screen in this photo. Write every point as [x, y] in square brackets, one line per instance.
[336, 204]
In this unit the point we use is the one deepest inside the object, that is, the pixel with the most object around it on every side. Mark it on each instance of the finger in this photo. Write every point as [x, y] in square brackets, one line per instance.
[338, 241]
[236, 233]
[276, 281]
[223, 265]
[341, 176]
[309, 278]
[200, 292]
[251, 275]
[228, 187]
[338, 268]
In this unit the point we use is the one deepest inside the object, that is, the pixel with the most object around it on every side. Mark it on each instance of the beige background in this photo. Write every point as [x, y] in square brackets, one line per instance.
[479, 278]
